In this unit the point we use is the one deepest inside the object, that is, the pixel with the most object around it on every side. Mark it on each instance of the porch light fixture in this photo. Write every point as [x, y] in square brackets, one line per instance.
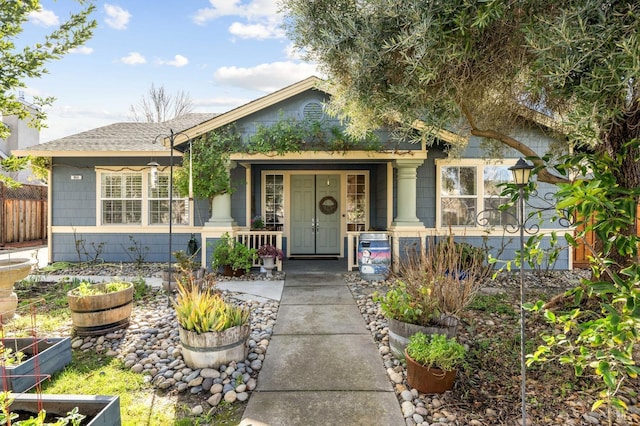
[172, 138]
[154, 173]
[521, 173]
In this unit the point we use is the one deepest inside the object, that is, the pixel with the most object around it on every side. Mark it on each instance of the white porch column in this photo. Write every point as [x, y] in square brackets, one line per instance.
[406, 200]
[221, 207]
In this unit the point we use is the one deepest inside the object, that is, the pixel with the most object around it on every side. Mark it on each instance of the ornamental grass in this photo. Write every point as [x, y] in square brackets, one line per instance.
[204, 311]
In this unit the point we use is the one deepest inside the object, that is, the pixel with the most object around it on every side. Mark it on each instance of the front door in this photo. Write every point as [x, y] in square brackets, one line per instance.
[315, 215]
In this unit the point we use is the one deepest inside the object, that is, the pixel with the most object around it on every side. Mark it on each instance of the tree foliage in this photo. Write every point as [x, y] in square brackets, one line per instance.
[158, 106]
[20, 63]
[478, 67]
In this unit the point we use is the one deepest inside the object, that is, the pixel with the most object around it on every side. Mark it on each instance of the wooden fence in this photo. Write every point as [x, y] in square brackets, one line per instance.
[23, 215]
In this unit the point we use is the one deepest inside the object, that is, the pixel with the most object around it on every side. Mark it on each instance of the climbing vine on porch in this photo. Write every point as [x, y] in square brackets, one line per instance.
[210, 152]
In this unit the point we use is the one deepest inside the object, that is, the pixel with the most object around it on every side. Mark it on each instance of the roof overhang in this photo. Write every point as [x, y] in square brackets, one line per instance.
[94, 154]
[317, 156]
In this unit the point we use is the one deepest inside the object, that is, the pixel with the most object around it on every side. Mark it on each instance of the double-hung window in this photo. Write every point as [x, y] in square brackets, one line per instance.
[469, 193]
[121, 198]
[132, 198]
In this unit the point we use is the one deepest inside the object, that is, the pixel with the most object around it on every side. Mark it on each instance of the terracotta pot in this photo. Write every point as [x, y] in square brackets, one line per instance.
[428, 380]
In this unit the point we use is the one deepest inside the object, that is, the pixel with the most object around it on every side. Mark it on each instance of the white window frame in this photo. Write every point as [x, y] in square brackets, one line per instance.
[145, 174]
[365, 175]
[479, 165]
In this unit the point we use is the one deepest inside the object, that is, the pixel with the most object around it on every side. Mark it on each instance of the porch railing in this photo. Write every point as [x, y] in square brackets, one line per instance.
[255, 239]
[353, 239]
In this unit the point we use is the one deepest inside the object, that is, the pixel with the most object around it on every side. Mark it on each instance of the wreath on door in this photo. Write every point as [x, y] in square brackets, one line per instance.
[328, 205]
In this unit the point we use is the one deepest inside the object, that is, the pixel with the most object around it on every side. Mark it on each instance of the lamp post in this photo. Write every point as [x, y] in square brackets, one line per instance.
[172, 138]
[521, 172]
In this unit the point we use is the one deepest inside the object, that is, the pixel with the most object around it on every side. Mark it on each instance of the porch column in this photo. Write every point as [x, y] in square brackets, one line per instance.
[406, 200]
[221, 207]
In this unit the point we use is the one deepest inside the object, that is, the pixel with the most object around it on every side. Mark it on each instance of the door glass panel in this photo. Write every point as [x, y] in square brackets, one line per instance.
[356, 202]
[274, 202]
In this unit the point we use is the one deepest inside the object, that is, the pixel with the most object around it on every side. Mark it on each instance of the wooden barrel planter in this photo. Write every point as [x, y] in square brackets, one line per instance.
[214, 348]
[399, 333]
[101, 313]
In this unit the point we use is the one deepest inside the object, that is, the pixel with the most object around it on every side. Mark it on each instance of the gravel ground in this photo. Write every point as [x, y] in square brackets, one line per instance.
[151, 348]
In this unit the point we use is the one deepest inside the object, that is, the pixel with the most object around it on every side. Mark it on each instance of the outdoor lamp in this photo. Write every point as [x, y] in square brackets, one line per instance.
[521, 172]
[154, 173]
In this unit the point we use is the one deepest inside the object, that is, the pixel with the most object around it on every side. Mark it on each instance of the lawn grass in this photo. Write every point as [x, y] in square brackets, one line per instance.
[93, 374]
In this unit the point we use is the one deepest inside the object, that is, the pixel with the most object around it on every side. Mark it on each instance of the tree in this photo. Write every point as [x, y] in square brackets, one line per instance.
[479, 68]
[157, 106]
[16, 64]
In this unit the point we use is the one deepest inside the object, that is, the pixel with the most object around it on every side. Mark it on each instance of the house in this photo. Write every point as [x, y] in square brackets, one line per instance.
[22, 135]
[315, 203]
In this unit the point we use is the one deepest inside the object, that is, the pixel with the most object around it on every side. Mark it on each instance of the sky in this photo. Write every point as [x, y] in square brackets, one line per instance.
[221, 53]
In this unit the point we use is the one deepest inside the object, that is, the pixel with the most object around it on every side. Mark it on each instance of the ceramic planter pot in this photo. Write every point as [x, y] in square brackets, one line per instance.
[428, 380]
[100, 410]
[100, 313]
[212, 349]
[43, 357]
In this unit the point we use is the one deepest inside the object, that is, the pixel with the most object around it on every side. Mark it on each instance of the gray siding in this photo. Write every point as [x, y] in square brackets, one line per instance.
[73, 203]
[117, 247]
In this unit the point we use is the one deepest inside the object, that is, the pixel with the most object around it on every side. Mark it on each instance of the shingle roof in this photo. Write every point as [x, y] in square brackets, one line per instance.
[123, 137]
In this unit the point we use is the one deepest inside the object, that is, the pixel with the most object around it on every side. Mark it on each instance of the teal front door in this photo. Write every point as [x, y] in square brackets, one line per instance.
[315, 215]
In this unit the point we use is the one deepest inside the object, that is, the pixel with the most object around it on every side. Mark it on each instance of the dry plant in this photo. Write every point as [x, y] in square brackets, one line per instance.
[447, 275]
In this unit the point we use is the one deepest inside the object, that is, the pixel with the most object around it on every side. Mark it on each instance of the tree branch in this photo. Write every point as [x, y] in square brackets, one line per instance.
[543, 175]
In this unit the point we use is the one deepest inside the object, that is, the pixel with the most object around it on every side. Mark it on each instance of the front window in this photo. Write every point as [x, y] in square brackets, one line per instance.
[121, 198]
[458, 195]
[132, 198]
[494, 177]
[159, 203]
[469, 188]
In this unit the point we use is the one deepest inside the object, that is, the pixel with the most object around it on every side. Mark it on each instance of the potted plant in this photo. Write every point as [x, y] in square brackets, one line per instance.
[257, 223]
[268, 254]
[185, 265]
[430, 294]
[235, 257]
[100, 308]
[432, 362]
[212, 331]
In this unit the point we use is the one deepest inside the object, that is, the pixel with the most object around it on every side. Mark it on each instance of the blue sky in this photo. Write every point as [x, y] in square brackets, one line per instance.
[222, 53]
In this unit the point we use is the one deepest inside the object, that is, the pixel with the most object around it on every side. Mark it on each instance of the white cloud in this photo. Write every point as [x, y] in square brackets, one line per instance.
[261, 17]
[256, 31]
[218, 104]
[82, 50]
[266, 77]
[133, 58]
[117, 18]
[44, 18]
[178, 61]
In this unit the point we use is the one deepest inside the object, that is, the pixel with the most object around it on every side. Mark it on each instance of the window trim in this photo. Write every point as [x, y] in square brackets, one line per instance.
[145, 219]
[479, 164]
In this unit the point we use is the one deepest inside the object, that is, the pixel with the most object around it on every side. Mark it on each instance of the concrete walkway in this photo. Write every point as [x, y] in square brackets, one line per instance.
[322, 366]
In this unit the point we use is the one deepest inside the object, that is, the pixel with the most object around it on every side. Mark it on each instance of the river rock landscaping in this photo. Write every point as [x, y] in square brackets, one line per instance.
[486, 392]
